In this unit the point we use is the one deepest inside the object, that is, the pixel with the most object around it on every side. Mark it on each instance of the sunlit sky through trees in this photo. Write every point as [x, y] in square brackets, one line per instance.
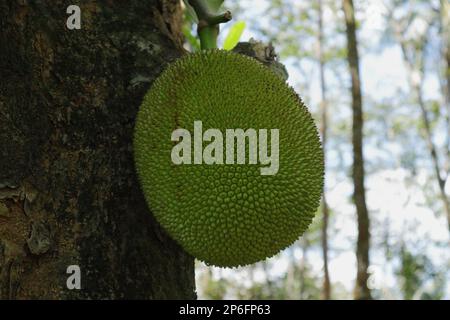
[402, 196]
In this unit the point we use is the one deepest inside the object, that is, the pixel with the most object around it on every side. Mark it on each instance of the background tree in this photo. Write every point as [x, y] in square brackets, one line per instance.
[323, 129]
[359, 196]
[401, 190]
[415, 46]
[444, 10]
[68, 190]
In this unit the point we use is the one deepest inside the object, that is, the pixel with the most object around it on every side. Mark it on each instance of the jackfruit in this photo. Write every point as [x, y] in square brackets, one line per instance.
[228, 215]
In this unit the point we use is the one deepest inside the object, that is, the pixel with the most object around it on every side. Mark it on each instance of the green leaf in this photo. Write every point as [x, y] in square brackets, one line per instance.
[234, 35]
[191, 39]
[212, 5]
[190, 12]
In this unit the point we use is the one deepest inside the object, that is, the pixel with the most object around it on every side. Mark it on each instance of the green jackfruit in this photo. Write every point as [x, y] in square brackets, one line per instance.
[228, 214]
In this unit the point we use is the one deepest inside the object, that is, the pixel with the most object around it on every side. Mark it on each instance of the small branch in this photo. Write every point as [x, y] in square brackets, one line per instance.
[208, 23]
[222, 18]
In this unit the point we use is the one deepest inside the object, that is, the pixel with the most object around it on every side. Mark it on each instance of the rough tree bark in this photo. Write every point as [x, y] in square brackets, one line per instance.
[68, 189]
[323, 130]
[362, 291]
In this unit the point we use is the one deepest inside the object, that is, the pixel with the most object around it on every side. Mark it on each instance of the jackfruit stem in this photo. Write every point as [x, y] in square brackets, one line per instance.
[221, 18]
[208, 37]
[208, 24]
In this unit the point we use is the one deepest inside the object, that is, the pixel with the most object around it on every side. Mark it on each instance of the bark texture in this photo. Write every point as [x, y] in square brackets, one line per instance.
[68, 190]
[362, 291]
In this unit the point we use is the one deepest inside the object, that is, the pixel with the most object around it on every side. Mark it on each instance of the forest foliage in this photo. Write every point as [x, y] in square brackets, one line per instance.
[404, 59]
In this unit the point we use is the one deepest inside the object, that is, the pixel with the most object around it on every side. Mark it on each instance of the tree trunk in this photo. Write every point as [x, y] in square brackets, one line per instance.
[323, 129]
[359, 196]
[68, 190]
[304, 245]
[445, 26]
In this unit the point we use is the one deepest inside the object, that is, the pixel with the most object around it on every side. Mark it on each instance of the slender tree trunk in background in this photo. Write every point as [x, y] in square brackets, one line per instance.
[303, 265]
[323, 130]
[415, 76]
[362, 291]
[270, 285]
[291, 284]
[68, 190]
[445, 25]
[445, 18]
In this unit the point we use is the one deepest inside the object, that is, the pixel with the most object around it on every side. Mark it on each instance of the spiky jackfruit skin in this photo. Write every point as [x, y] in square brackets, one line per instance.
[228, 215]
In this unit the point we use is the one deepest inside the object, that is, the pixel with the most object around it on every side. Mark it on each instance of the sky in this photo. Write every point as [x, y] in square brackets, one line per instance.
[396, 208]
